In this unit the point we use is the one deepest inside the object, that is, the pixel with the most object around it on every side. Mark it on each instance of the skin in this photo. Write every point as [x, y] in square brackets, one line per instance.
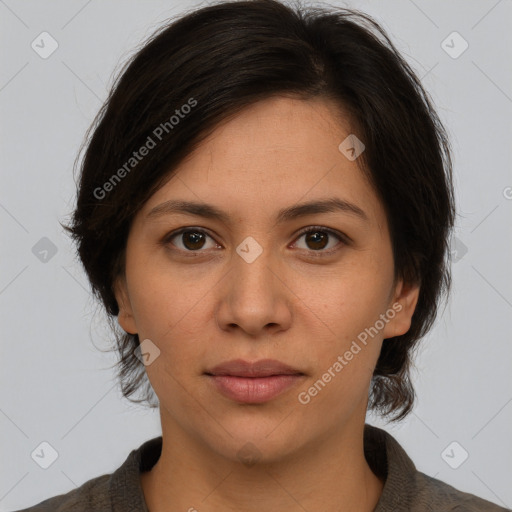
[287, 305]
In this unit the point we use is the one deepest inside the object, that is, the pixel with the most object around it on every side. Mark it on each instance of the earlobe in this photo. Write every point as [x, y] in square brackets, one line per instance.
[404, 305]
[125, 318]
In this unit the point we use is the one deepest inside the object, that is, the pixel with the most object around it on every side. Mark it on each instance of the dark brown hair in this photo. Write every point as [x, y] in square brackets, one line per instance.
[213, 62]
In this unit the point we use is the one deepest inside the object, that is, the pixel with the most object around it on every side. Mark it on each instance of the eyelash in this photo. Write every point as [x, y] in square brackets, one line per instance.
[310, 229]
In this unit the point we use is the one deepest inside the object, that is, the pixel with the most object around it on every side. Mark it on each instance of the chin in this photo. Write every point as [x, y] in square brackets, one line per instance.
[262, 441]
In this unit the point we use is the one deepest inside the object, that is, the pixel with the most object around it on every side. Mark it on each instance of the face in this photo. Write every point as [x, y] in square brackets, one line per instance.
[311, 288]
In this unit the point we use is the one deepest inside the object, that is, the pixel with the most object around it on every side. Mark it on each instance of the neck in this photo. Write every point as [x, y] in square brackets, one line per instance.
[331, 475]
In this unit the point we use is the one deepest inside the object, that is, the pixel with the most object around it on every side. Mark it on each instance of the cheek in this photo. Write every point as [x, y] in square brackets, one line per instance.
[163, 298]
[346, 350]
[348, 324]
[356, 298]
[152, 308]
[173, 311]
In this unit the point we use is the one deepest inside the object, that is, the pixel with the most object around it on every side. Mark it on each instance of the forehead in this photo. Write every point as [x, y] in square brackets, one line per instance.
[275, 153]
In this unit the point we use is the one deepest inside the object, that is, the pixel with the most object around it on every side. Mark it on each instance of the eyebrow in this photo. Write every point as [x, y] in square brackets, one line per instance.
[209, 211]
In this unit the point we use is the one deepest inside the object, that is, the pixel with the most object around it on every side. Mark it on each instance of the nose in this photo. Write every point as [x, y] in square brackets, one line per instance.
[254, 297]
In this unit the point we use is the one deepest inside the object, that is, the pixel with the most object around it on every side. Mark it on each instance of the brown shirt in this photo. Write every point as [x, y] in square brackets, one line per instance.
[405, 488]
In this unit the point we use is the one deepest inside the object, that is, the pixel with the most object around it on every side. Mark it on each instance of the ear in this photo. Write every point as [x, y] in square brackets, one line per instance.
[125, 318]
[403, 304]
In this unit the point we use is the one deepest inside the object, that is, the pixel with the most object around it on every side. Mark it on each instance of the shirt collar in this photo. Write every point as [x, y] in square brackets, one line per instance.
[383, 453]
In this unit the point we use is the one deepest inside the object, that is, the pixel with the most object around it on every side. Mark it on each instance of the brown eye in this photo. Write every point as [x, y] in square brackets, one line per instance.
[317, 239]
[193, 240]
[190, 240]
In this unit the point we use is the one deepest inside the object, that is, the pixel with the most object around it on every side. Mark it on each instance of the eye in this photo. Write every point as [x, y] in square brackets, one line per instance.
[317, 238]
[191, 239]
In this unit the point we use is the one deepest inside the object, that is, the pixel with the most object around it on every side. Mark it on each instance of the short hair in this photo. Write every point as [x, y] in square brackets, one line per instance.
[222, 58]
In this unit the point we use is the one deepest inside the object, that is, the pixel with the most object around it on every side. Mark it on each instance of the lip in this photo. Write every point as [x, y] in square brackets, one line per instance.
[261, 368]
[253, 383]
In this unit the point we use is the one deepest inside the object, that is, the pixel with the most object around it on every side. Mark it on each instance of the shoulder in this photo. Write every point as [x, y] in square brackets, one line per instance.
[406, 488]
[92, 496]
[120, 490]
[434, 494]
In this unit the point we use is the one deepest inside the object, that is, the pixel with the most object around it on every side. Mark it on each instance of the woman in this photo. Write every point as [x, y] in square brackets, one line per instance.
[265, 205]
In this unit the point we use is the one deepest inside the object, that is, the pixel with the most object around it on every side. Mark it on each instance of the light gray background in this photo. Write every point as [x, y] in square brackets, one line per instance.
[56, 386]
